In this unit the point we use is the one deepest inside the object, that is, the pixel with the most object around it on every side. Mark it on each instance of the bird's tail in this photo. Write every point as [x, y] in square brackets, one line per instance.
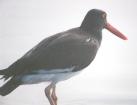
[9, 87]
[3, 72]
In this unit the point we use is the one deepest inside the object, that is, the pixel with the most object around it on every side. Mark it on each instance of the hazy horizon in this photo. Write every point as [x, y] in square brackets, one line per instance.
[113, 73]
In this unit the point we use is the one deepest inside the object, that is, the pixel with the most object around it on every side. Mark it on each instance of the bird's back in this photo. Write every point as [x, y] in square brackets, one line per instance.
[72, 48]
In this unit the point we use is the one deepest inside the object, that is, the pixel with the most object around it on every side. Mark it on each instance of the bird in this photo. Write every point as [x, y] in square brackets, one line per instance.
[60, 56]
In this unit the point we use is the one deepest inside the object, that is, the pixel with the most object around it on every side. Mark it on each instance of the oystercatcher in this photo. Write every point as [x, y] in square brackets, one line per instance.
[59, 57]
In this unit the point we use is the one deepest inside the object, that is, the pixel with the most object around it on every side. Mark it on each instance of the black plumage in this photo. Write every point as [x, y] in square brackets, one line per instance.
[75, 48]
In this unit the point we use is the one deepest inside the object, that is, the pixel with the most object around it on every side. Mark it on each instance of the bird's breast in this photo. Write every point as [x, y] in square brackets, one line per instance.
[85, 53]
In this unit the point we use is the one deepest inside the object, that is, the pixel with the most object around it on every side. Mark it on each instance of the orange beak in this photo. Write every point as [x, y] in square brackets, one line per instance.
[115, 31]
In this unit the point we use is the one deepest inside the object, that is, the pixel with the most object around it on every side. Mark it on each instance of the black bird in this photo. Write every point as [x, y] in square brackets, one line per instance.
[59, 57]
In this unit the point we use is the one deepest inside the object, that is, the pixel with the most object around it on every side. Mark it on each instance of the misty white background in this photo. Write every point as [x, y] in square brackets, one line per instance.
[112, 75]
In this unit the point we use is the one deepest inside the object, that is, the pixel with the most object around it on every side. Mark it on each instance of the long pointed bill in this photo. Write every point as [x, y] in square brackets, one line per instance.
[115, 31]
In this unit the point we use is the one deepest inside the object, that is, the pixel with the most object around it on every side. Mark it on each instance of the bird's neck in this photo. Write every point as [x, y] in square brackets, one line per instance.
[94, 33]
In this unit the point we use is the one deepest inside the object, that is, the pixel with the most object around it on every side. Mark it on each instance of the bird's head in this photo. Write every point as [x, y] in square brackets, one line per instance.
[96, 20]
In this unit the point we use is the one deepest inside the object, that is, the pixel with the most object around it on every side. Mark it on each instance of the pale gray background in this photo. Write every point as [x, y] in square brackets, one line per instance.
[110, 80]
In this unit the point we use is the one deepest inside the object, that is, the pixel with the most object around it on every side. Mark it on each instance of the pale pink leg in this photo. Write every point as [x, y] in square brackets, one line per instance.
[48, 92]
[53, 95]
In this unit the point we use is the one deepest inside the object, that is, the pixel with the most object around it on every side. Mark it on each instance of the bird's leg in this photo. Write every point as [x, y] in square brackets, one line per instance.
[48, 92]
[53, 95]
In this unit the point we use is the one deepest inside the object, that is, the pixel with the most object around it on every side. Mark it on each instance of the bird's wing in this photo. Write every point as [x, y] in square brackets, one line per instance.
[63, 50]
[21, 64]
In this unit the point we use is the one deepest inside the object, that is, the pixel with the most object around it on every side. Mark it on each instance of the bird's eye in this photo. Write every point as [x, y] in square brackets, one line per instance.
[104, 15]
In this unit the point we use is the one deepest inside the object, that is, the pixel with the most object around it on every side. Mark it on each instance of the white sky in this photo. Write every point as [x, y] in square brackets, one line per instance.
[24, 23]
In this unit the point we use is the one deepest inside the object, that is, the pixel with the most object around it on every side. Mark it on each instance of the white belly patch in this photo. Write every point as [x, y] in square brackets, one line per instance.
[51, 76]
